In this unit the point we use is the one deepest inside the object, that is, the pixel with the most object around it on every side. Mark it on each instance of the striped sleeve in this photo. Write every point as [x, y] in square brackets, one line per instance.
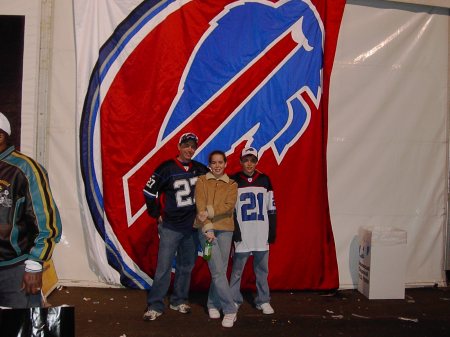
[41, 206]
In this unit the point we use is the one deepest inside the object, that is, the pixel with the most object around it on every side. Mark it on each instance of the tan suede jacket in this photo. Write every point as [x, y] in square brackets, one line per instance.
[218, 198]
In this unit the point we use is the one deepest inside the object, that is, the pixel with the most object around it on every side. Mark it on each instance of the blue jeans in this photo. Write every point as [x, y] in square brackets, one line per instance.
[219, 295]
[261, 269]
[11, 293]
[182, 245]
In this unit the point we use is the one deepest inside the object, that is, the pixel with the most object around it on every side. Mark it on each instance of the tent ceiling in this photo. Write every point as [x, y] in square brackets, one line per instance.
[438, 3]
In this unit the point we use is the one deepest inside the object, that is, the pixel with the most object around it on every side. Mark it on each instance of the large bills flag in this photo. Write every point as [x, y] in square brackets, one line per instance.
[236, 73]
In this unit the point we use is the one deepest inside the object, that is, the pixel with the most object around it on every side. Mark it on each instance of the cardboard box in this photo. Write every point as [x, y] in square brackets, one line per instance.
[382, 262]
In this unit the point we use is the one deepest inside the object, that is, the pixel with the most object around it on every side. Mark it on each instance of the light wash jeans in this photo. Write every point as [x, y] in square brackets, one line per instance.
[11, 293]
[219, 295]
[261, 269]
[170, 243]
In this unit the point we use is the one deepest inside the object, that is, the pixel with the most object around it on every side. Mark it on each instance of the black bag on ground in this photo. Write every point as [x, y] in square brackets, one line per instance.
[38, 322]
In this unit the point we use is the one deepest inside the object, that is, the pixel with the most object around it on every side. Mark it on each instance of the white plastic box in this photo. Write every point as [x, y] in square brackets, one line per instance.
[382, 262]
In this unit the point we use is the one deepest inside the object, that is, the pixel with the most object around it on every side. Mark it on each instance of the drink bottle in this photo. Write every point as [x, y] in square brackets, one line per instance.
[207, 250]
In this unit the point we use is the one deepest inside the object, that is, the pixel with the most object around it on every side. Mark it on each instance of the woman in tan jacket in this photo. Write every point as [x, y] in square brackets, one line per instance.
[215, 197]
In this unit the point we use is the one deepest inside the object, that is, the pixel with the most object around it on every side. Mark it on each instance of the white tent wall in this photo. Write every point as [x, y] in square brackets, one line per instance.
[60, 158]
[387, 151]
[31, 10]
[72, 254]
[388, 138]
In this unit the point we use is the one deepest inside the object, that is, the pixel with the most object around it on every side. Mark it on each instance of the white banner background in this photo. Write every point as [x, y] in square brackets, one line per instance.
[388, 136]
[388, 139]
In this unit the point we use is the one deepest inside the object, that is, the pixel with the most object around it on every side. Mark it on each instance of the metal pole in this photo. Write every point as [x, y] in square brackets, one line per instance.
[45, 62]
[447, 229]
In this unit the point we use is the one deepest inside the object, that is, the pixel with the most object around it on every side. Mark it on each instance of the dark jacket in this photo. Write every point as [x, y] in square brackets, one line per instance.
[30, 224]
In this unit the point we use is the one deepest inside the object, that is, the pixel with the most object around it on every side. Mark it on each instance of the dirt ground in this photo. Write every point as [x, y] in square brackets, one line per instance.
[109, 312]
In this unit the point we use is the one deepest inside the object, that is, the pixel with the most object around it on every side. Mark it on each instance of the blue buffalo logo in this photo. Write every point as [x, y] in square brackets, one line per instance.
[273, 113]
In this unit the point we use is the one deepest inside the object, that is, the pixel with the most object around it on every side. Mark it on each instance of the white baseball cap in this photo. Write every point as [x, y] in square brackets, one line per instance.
[4, 124]
[249, 151]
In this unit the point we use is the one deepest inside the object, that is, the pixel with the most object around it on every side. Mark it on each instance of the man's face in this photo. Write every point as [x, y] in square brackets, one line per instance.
[187, 150]
[248, 164]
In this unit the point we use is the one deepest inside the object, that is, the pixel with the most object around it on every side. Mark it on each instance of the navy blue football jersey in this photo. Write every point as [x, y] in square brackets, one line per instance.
[170, 193]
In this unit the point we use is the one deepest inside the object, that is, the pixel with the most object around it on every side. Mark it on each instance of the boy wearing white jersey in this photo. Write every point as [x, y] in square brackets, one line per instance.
[255, 224]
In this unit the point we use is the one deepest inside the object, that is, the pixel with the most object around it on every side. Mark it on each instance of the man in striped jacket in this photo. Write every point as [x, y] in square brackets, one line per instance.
[30, 225]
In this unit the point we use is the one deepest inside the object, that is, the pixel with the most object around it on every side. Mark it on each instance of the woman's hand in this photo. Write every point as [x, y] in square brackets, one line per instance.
[202, 216]
[210, 236]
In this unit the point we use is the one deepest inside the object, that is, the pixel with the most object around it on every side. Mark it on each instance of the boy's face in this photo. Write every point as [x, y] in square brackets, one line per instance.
[248, 164]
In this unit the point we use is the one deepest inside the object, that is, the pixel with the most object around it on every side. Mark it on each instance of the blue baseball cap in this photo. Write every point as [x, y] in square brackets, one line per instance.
[187, 137]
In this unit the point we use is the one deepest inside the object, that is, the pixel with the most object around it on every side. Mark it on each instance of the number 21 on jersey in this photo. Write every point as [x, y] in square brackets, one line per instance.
[252, 206]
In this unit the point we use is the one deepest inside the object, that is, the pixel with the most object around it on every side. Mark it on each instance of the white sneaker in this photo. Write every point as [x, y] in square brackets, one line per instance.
[266, 308]
[182, 308]
[214, 313]
[151, 315]
[228, 320]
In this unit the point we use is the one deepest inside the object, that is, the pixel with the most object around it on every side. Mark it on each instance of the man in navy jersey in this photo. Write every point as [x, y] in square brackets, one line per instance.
[255, 222]
[175, 180]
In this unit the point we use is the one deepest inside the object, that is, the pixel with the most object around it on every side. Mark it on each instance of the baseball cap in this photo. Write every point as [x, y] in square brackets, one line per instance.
[249, 151]
[187, 137]
[4, 124]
